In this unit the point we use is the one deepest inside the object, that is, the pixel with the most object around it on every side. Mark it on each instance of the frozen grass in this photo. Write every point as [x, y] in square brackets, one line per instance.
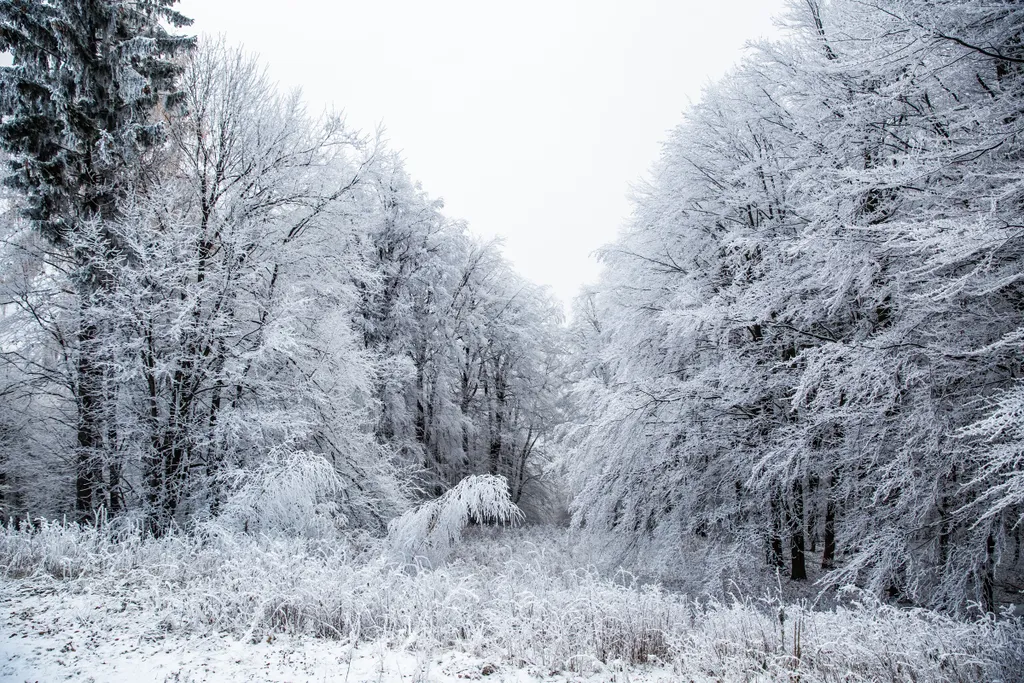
[515, 595]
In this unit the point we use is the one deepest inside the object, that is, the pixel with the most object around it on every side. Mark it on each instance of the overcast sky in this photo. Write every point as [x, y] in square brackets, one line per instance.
[531, 118]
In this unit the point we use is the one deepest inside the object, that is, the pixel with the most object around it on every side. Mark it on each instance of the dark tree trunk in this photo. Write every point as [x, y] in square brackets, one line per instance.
[988, 579]
[811, 515]
[466, 400]
[947, 522]
[115, 494]
[6, 509]
[174, 476]
[798, 565]
[88, 460]
[775, 557]
[828, 552]
[494, 452]
[168, 475]
[497, 427]
[153, 464]
[213, 455]
[117, 504]
[421, 410]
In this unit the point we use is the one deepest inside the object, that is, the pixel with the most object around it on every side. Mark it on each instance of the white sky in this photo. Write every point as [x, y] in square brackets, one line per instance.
[530, 118]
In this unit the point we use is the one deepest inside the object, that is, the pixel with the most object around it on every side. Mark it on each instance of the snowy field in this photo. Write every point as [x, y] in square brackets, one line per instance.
[51, 636]
[510, 606]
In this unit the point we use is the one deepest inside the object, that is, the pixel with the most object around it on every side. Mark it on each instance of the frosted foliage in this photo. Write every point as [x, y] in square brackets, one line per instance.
[430, 531]
[272, 283]
[1000, 451]
[806, 342]
[469, 351]
[294, 493]
[224, 334]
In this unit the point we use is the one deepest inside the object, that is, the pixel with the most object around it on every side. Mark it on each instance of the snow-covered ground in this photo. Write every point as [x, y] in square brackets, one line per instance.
[50, 635]
[511, 606]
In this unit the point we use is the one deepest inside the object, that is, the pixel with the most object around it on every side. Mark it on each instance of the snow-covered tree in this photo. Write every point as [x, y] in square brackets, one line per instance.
[467, 348]
[277, 294]
[78, 104]
[806, 328]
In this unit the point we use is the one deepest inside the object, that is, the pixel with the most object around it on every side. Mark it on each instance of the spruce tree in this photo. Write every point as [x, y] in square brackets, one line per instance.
[78, 106]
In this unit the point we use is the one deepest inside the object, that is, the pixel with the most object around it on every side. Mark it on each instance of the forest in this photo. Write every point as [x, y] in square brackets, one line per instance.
[268, 413]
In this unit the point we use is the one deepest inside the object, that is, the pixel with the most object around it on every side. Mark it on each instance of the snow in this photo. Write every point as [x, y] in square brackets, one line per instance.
[509, 605]
[52, 635]
[241, 351]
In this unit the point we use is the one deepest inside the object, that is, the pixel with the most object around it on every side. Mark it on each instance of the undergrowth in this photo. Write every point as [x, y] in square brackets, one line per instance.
[515, 594]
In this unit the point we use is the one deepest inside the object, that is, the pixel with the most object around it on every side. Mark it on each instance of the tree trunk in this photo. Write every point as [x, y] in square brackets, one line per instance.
[988, 579]
[421, 412]
[466, 398]
[497, 427]
[775, 558]
[115, 494]
[212, 448]
[947, 501]
[88, 459]
[798, 566]
[117, 504]
[828, 552]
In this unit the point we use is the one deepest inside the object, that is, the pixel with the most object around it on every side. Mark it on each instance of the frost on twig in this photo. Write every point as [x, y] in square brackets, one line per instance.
[292, 493]
[430, 531]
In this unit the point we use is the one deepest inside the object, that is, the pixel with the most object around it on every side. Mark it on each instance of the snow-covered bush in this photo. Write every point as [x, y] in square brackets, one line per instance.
[293, 493]
[429, 532]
